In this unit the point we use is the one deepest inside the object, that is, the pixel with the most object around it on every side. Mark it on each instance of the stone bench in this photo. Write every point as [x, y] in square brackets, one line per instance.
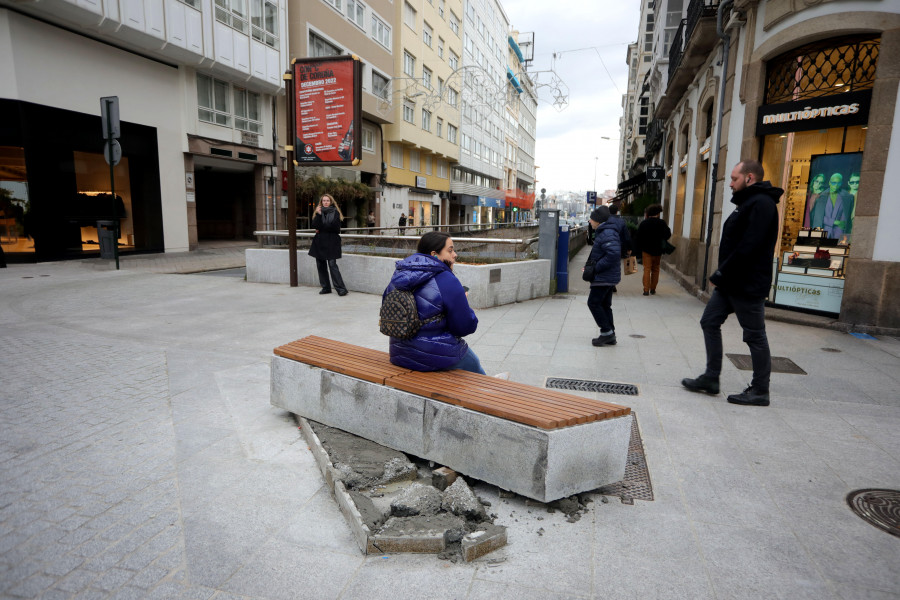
[539, 443]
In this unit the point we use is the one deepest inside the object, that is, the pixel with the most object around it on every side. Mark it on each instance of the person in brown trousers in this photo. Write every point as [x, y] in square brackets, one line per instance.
[651, 234]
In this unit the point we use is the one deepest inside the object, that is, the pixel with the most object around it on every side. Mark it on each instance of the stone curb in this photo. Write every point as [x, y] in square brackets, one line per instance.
[473, 546]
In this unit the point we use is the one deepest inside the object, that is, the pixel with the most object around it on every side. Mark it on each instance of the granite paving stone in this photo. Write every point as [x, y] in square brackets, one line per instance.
[140, 458]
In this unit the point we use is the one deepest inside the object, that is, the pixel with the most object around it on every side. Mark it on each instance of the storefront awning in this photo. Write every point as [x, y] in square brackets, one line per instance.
[629, 185]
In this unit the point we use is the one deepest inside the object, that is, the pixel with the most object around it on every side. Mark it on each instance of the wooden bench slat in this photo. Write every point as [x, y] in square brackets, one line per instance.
[449, 392]
[538, 407]
[577, 403]
[547, 421]
[495, 409]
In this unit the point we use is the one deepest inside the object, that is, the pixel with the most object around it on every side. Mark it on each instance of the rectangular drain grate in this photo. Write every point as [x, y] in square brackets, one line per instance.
[636, 484]
[584, 385]
[780, 364]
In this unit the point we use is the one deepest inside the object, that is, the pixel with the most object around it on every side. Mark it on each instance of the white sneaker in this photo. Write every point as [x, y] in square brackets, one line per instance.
[504, 375]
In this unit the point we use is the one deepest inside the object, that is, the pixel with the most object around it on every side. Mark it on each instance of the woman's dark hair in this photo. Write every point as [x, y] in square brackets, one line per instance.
[433, 241]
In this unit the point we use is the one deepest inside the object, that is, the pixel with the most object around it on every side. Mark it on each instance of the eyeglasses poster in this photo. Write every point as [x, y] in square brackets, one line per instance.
[831, 194]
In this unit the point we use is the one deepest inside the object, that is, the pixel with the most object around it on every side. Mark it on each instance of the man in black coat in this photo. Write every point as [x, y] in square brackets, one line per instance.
[742, 282]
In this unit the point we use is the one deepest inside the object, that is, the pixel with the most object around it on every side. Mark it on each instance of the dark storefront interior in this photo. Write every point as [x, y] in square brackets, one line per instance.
[56, 185]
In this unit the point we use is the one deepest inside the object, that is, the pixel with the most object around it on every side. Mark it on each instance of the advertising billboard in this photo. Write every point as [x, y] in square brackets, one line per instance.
[327, 110]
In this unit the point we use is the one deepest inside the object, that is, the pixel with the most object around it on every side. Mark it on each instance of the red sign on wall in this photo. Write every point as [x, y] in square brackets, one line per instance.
[327, 110]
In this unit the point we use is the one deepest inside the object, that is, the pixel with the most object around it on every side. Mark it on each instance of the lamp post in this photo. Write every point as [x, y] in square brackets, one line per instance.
[594, 189]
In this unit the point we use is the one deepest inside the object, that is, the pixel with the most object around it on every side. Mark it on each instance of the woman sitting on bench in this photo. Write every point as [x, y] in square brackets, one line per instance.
[438, 345]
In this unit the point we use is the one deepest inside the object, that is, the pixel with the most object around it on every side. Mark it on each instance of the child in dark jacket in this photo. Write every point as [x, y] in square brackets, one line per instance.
[606, 256]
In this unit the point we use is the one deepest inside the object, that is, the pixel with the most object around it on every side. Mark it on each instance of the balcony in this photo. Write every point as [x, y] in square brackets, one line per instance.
[654, 139]
[695, 38]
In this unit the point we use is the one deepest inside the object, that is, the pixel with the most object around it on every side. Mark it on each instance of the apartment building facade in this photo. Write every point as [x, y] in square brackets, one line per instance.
[423, 140]
[195, 82]
[811, 92]
[477, 191]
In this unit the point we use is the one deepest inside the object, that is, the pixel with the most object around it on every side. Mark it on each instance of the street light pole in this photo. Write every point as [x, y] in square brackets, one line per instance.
[595, 174]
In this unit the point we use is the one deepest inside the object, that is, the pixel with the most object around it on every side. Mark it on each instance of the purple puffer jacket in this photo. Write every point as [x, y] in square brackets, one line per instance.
[438, 345]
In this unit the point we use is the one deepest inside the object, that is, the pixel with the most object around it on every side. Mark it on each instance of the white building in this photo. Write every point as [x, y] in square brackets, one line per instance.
[195, 83]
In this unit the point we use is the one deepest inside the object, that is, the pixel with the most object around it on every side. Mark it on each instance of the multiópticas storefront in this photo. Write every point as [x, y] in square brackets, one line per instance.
[813, 128]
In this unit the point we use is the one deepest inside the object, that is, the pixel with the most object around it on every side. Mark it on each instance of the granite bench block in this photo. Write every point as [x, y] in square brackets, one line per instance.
[541, 464]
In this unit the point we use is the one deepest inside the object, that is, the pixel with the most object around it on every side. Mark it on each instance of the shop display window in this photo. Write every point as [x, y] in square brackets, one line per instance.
[15, 205]
[820, 173]
[92, 201]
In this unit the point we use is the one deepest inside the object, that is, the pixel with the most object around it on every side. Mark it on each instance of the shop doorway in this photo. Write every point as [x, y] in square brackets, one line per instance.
[226, 200]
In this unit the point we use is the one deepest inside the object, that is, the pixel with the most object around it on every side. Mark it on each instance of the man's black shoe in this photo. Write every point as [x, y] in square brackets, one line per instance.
[324, 291]
[704, 383]
[750, 397]
[605, 340]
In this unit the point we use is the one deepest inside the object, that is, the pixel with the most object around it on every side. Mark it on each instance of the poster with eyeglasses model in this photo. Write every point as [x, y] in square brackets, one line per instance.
[832, 193]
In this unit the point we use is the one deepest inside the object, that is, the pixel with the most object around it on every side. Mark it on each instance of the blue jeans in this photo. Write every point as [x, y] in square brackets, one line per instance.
[469, 362]
[750, 313]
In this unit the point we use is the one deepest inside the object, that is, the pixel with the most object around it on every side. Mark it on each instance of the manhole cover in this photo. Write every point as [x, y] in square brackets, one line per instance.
[880, 508]
[636, 483]
[780, 364]
[637, 336]
[584, 385]
[830, 350]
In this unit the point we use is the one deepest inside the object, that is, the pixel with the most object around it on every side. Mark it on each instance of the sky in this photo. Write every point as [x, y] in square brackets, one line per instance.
[585, 36]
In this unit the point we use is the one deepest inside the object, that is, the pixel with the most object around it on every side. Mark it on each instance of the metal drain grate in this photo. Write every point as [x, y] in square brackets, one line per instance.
[780, 364]
[636, 483]
[880, 508]
[584, 385]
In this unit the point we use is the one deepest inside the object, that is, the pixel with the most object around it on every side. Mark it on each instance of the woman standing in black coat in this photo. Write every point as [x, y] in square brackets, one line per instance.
[326, 245]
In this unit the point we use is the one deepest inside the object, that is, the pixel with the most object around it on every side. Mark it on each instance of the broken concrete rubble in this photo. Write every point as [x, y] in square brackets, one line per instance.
[417, 499]
[459, 499]
[393, 511]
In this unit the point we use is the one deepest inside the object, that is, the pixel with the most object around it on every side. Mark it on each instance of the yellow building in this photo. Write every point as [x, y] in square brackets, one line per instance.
[423, 140]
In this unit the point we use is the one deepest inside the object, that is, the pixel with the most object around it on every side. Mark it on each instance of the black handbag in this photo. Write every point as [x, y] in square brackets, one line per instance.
[667, 248]
[588, 273]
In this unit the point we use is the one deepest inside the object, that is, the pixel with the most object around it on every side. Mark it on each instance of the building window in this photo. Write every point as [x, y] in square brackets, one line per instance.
[409, 64]
[454, 23]
[426, 34]
[409, 15]
[381, 32]
[442, 169]
[426, 77]
[397, 156]
[441, 8]
[464, 143]
[409, 112]
[454, 60]
[368, 139]
[319, 47]
[264, 22]
[381, 85]
[356, 12]
[440, 128]
[426, 120]
[246, 111]
[451, 133]
[338, 4]
[428, 165]
[233, 13]
[452, 96]
[212, 100]
[414, 161]
[440, 47]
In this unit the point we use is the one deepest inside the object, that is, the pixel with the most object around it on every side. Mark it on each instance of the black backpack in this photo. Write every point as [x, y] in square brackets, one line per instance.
[399, 316]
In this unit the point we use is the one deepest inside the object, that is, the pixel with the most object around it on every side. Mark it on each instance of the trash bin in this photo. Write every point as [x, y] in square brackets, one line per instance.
[106, 235]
